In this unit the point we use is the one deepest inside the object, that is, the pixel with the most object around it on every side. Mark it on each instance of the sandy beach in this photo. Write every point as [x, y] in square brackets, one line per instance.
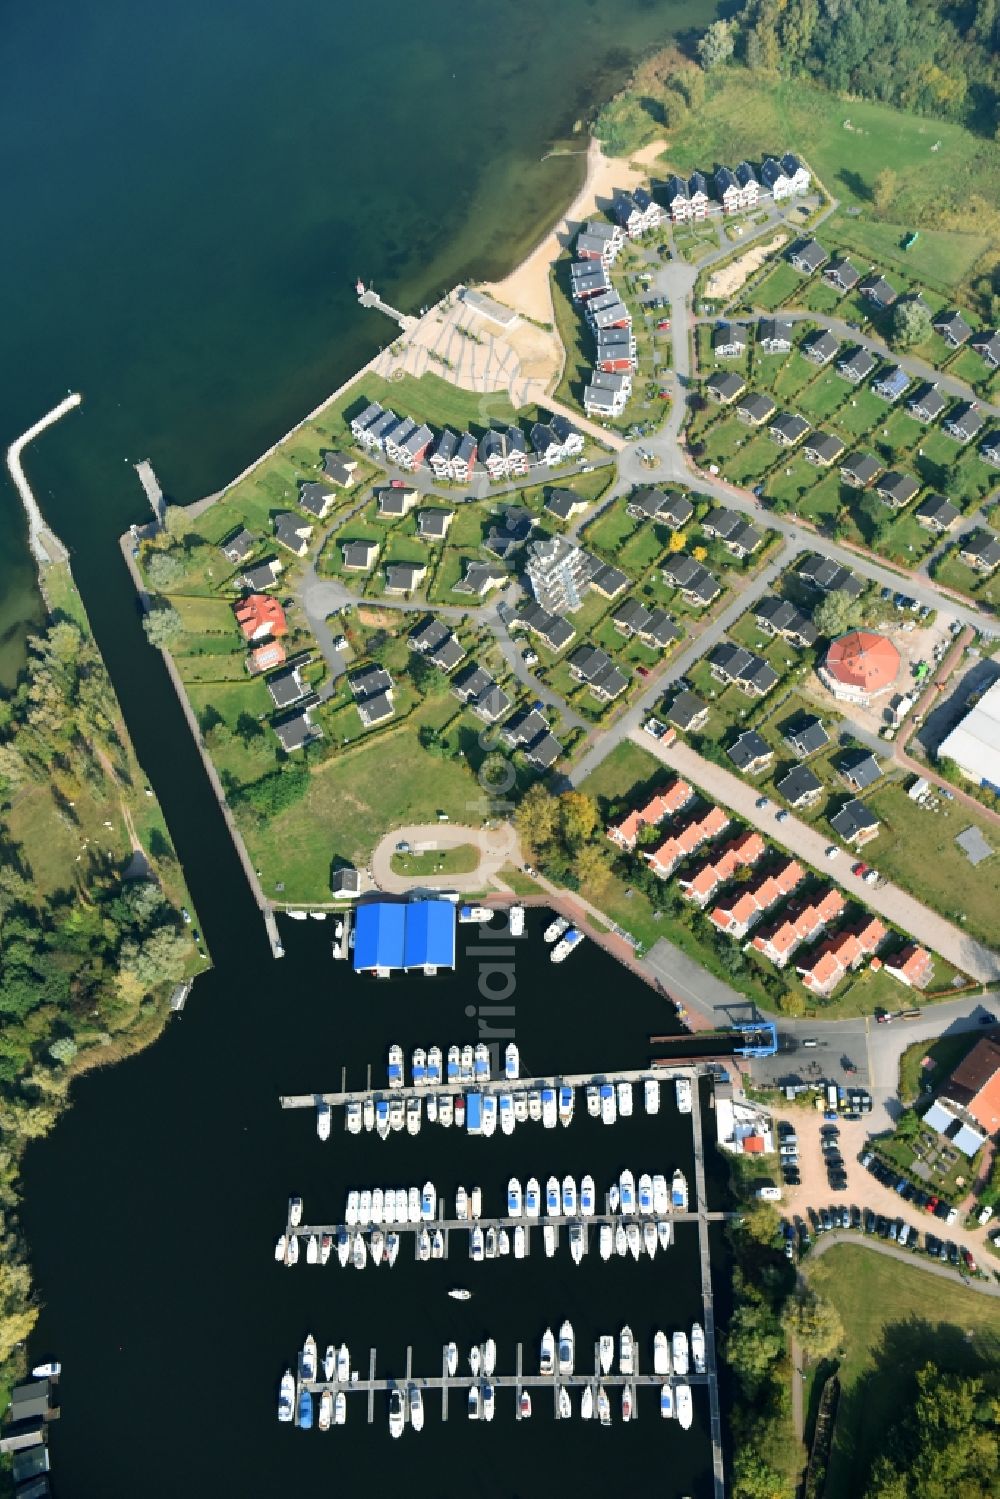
[526, 289]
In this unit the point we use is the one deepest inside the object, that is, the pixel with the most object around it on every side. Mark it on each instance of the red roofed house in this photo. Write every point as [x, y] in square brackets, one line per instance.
[258, 616]
[840, 955]
[742, 853]
[664, 804]
[860, 666]
[806, 924]
[745, 907]
[271, 653]
[912, 965]
[710, 824]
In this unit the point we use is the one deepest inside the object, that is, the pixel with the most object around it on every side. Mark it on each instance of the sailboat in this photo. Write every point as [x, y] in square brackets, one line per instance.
[548, 1354]
[606, 1348]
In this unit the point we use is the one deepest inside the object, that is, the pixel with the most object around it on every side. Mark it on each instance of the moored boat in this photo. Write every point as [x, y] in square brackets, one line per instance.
[391, 1249]
[621, 1241]
[645, 1193]
[587, 1404]
[514, 1204]
[679, 1192]
[359, 1252]
[459, 1293]
[651, 1095]
[423, 1245]
[325, 1410]
[565, 1407]
[535, 1105]
[588, 1194]
[593, 1101]
[489, 1115]
[343, 1245]
[397, 1114]
[516, 921]
[511, 1062]
[609, 1109]
[698, 1347]
[474, 1402]
[343, 1364]
[633, 1235]
[664, 1233]
[683, 1091]
[547, 1357]
[382, 1118]
[380, 1205]
[576, 1242]
[489, 1402]
[476, 1203]
[625, 1100]
[461, 1204]
[481, 1062]
[548, 1240]
[626, 1350]
[532, 1198]
[520, 1106]
[519, 1242]
[368, 1115]
[627, 1403]
[397, 1416]
[451, 1358]
[365, 1207]
[685, 1412]
[437, 1244]
[434, 1060]
[506, 1114]
[666, 1402]
[626, 1187]
[340, 1409]
[679, 1352]
[307, 1360]
[477, 1244]
[568, 1197]
[566, 1102]
[661, 1353]
[475, 1359]
[603, 1406]
[457, 1110]
[550, 1110]
[414, 1115]
[446, 1111]
[428, 1201]
[416, 1409]
[453, 1064]
[466, 1064]
[377, 1246]
[567, 1348]
[649, 1240]
[281, 1247]
[292, 1252]
[294, 1211]
[324, 1120]
[606, 1350]
[432, 1108]
[312, 1250]
[552, 1198]
[286, 1396]
[606, 1241]
[661, 1196]
[395, 1066]
[555, 929]
[489, 1357]
[524, 1406]
[304, 1414]
[418, 1066]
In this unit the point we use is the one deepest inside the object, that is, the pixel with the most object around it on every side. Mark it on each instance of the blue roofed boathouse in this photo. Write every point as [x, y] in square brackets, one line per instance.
[404, 937]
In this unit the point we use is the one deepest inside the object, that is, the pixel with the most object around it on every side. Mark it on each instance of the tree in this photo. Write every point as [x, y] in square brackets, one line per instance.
[884, 190]
[162, 624]
[578, 817]
[590, 865]
[815, 1324]
[425, 675]
[911, 323]
[837, 613]
[433, 741]
[716, 45]
[753, 1344]
[759, 1223]
[160, 956]
[537, 817]
[700, 553]
[792, 1003]
[754, 1478]
[163, 570]
[677, 542]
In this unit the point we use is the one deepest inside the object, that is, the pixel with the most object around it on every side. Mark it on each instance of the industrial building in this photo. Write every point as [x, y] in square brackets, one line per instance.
[974, 744]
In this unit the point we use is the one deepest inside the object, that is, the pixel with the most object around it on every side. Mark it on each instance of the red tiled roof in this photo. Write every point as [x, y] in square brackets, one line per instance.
[271, 653]
[913, 962]
[259, 615]
[863, 659]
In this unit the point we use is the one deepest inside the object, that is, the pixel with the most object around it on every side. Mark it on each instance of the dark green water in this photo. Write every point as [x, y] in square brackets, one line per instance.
[191, 192]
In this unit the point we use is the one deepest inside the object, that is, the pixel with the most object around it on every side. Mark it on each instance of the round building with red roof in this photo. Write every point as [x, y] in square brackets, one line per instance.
[860, 666]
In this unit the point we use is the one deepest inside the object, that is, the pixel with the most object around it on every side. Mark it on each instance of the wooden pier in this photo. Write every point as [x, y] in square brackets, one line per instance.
[370, 298]
[154, 493]
[708, 1304]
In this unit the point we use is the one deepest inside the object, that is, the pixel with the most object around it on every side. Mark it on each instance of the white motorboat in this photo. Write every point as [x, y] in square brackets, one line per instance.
[593, 1101]
[588, 1194]
[606, 1241]
[434, 1062]
[446, 1110]
[524, 1406]
[587, 1404]
[698, 1347]
[454, 1064]
[474, 1402]
[548, 1240]
[550, 1110]
[298, 915]
[489, 1357]
[683, 1090]
[307, 1360]
[514, 1203]
[625, 1100]
[603, 1406]
[489, 1402]
[475, 1359]
[395, 1066]
[432, 1108]
[520, 1242]
[428, 1202]
[645, 1194]
[555, 929]
[359, 1252]
[481, 1062]
[679, 1192]
[609, 1109]
[382, 1118]
[324, 1120]
[685, 1412]
[566, 1104]
[388, 1204]
[649, 1240]
[397, 1417]
[476, 914]
[281, 1247]
[292, 1252]
[437, 1244]
[628, 1404]
[416, 1409]
[466, 1064]
[547, 1358]
[606, 1352]
[340, 1409]
[391, 1249]
[368, 1115]
[511, 1062]
[576, 1242]
[365, 1207]
[561, 951]
[343, 1246]
[521, 1106]
[626, 1351]
[489, 1120]
[414, 1115]
[477, 1244]
[423, 1245]
[325, 1410]
[532, 1198]
[651, 1095]
[679, 1351]
[492, 1243]
[568, 1197]
[661, 1353]
[516, 921]
[621, 1241]
[376, 1248]
[661, 1197]
[330, 1364]
[626, 1187]
[317, 915]
[633, 1236]
[567, 1348]
[379, 1196]
[535, 1105]
[458, 1110]
[286, 1397]
[506, 1114]
[564, 1407]
[552, 1198]
[418, 1066]
[325, 1248]
[451, 1359]
[476, 1203]
[459, 1293]
[312, 1250]
[397, 1114]
[666, 1402]
[461, 1204]
[614, 1198]
[664, 1233]
[294, 1212]
[352, 1114]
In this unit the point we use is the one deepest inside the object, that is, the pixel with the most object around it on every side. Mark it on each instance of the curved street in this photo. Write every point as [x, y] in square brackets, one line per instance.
[498, 847]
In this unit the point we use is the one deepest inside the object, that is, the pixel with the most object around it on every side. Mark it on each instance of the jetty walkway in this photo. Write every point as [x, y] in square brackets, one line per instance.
[708, 1303]
[371, 298]
[46, 547]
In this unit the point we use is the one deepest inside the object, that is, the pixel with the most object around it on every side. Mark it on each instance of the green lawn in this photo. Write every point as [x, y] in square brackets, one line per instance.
[945, 1053]
[623, 774]
[895, 1319]
[462, 859]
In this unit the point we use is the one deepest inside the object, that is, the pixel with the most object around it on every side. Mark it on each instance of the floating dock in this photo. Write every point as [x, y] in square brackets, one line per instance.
[154, 494]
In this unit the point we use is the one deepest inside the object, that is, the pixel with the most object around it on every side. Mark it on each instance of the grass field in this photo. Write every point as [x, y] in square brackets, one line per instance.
[896, 1318]
[462, 859]
[944, 1051]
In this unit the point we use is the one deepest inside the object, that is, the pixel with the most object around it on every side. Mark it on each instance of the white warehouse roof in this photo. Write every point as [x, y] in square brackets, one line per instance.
[974, 744]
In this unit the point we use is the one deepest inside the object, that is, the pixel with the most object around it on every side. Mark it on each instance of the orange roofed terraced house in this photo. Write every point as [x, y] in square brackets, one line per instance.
[259, 616]
[746, 907]
[840, 955]
[801, 927]
[687, 840]
[742, 853]
[912, 965]
[664, 804]
[860, 666]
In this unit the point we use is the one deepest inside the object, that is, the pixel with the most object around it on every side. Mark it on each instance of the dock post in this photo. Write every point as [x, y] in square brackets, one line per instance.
[444, 1383]
[371, 1386]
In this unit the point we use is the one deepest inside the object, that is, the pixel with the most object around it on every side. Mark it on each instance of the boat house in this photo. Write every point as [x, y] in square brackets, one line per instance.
[405, 936]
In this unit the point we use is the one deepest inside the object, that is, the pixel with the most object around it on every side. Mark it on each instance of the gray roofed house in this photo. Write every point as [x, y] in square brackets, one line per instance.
[263, 576]
[359, 556]
[433, 522]
[805, 735]
[504, 452]
[807, 255]
[724, 386]
[375, 709]
[926, 404]
[287, 687]
[395, 500]
[654, 627]
[788, 428]
[544, 752]
[345, 881]
[673, 509]
[435, 641]
[892, 383]
[937, 513]
[471, 682]
[523, 727]
[981, 550]
[857, 365]
[987, 345]
[590, 664]
[751, 753]
[409, 451]
[492, 704]
[564, 504]
[952, 327]
[31, 1401]
[896, 490]
[510, 532]
[734, 664]
[830, 577]
[859, 768]
[990, 448]
[315, 498]
[877, 289]
[841, 274]
[296, 731]
[339, 469]
[726, 188]
[729, 340]
[855, 823]
[403, 577]
[553, 629]
[775, 335]
[363, 421]
[606, 394]
[822, 448]
[964, 422]
[822, 348]
[687, 712]
[375, 434]
[481, 577]
[747, 179]
[722, 523]
[755, 408]
[369, 680]
[609, 581]
[859, 469]
[780, 617]
[237, 547]
[292, 532]
[800, 788]
[695, 582]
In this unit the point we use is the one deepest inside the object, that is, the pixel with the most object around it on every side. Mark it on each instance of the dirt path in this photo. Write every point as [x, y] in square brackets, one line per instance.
[497, 846]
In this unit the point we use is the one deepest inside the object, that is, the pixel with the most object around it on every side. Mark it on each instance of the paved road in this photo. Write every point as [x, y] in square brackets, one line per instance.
[810, 845]
[497, 846]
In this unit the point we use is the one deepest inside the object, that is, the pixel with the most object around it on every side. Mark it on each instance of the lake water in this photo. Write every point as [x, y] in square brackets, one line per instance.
[192, 191]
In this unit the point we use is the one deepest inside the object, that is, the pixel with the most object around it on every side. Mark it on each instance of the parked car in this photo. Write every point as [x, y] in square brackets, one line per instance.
[932, 1204]
[985, 1214]
[970, 1263]
[869, 1221]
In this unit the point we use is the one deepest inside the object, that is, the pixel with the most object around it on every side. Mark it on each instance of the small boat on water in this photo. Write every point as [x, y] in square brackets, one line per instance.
[281, 1247]
[685, 1412]
[661, 1353]
[568, 1197]
[562, 949]
[626, 1350]
[645, 1194]
[376, 1247]
[489, 1357]
[679, 1192]
[514, 1203]
[606, 1241]
[312, 1250]
[649, 1240]
[343, 1246]
[698, 1347]
[416, 1409]
[511, 1062]
[434, 1060]
[603, 1406]
[457, 1110]
[476, 914]
[679, 1352]
[666, 1402]
[368, 1115]
[476, 1202]
[548, 1240]
[593, 1096]
[305, 1410]
[294, 1211]
[481, 1062]
[627, 1403]
[395, 1066]
[521, 1106]
[614, 1198]
[418, 1066]
[489, 1402]
[566, 1104]
[286, 1396]
[477, 1244]
[359, 1252]
[451, 1357]
[606, 1349]
[683, 1091]
[516, 921]
[565, 1407]
[446, 1111]
[555, 929]
[324, 1119]
[506, 1114]
[397, 1114]
[651, 1095]
[340, 1409]
[489, 1115]
[461, 1204]
[475, 1359]
[524, 1406]
[292, 1252]
[365, 1207]
[459, 1293]
[317, 915]
[532, 1198]
[466, 1064]
[626, 1187]
[587, 1404]
[382, 1118]
[307, 1360]
[576, 1242]
[454, 1064]
[625, 1100]
[397, 1417]
[633, 1237]
[588, 1194]
[520, 1242]
[325, 1410]
[413, 1205]
[535, 1105]
[432, 1108]
[547, 1356]
[550, 1111]
[381, 1201]
[664, 1233]
[621, 1241]
[423, 1245]
[391, 1249]
[298, 915]
[492, 1243]
[437, 1245]
[609, 1109]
